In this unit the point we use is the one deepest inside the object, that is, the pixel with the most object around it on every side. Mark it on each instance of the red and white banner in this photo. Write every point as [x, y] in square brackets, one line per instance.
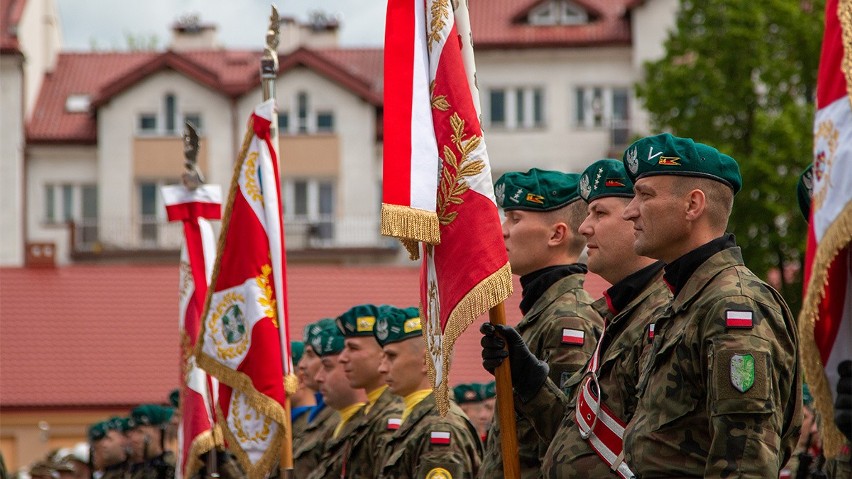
[194, 208]
[465, 269]
[825, 324]
[244, 338]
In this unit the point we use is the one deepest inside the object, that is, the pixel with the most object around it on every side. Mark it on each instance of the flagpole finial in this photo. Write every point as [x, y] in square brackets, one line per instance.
[272, 37]
[192, 177]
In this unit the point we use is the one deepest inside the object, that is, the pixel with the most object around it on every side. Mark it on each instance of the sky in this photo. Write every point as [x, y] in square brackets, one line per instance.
[105, 24]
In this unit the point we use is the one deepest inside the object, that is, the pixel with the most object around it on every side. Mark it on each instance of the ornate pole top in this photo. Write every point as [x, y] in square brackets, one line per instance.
[270, 52]
[192, 177]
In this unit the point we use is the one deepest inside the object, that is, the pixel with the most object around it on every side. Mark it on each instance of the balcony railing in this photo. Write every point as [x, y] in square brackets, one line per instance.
[156, 234]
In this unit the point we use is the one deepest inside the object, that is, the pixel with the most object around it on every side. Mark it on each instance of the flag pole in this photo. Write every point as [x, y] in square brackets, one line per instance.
[506, 405]
[268, 75]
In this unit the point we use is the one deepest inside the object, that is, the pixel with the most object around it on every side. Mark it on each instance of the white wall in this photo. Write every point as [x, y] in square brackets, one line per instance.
[40, 37]
[11, 161]
[652, 22]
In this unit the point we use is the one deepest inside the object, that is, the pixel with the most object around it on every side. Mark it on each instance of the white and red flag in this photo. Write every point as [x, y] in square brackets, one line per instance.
[194, 208]
[825, 323]
[442, 164]
[244, 338]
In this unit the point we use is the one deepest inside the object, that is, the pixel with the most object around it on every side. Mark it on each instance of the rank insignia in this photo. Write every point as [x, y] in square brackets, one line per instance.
[742, 372]
[439, 473]
[537, 199]
[613, 182]
[669, 161]
[440, 437]
[573, 336]
[394, 423]
[739, 319]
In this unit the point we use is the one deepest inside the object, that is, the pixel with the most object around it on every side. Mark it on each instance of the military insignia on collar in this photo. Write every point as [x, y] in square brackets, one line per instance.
[533, 198]
[439, 473]
[500, 193]
[585, 187]
[669, 161]
[742, 372]
[382, 329]
[632, 160]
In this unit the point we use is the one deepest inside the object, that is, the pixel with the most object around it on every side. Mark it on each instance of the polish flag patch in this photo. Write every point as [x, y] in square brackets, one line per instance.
[572, 336]
[440, 437]
[651, 331]
[738, 319]
[394, 423]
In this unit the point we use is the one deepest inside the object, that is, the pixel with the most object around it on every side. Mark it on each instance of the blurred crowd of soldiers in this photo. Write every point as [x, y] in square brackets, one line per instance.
[688, 366]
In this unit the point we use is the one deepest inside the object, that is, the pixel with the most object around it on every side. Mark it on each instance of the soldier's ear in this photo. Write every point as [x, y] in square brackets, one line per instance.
[696, 204]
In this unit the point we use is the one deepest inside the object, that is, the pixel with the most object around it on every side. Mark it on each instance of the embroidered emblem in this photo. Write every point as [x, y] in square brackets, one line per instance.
[632, 160]
[598, 178]
[826, 140]
[410, 325]
[500, 193]
[585, 187]
[382, 329]
[233, 324]
[614, 182]
[533, 198]
[439, 473]
[365, 323]
[517, 196]
[739, 319]
[440, 437]
[457, 171]
[394, 423]
[227, 326]
[469, 395]
[669, 161]
[572, 336]
[742, 372]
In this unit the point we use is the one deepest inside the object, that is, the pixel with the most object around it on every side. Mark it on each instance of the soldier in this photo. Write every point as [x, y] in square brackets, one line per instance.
[338, 395]
[471, 399]
[145, 434]
[303, 400]
[721, 393]
[426, 445]
[321, 419]
[383, 413]
[543, 215]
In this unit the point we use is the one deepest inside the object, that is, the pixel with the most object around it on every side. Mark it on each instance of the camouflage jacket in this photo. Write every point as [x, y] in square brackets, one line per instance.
[117, 471]
[300, 423]
[160, 467]
[427, 445]
[721, 393]
[308, 450]
[337, 449]
[564, 306]
[625, 341]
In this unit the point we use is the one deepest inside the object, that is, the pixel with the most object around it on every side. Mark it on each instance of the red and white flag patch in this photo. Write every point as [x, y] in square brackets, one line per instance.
[440, 437]
[572, 336]
[651, 331]
[738, 319]
[394, 423]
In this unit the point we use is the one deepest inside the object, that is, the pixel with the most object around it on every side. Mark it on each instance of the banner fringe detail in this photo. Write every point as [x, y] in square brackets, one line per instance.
[410, 225]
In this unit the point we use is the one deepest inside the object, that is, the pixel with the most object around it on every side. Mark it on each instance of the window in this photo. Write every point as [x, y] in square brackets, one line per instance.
[498, 107]
[312, 210]
[558, 12]
[89, 214]
[49, 204]
[302, 105]
[300, 198]
[148, 211]
[325, 121]
[620, 116]
[517, 108]
[171, 113]
[601, 107]
[67, 203]
[195, 120]
[283, 122]
[78, 103]
[147, 123]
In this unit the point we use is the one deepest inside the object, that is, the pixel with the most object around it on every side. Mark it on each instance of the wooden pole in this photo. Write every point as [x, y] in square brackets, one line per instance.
[506, 406]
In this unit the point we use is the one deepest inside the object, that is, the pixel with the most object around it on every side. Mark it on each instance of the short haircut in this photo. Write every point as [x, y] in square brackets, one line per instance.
[719, 196]
[572, 215]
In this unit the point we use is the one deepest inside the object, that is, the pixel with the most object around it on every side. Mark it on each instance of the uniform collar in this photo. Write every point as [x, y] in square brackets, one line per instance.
[704, 274]
[622, 293]
[680, 270]
[537, 283]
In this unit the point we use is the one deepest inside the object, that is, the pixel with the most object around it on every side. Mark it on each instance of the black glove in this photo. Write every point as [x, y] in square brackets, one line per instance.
[528, 372]
[843, 404]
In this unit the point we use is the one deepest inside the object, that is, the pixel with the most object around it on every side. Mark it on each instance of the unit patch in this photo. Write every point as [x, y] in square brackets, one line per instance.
[742, 372]
[669, 161]
[439, 473]
[537, 199]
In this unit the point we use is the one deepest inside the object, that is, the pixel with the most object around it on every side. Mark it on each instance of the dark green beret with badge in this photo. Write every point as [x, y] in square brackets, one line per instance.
[120, 424]
[536, 190]
[99, 430]
[468, 393]
[297, 349]
[150, 415]
[805, 191]
[397, 325]
[605, 178]
[666, 154]
[358, 321]
[329, 340]
[312, 330]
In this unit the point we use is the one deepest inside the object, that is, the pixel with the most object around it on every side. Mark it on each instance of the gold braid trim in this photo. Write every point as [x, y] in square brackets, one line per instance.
[835, 239]
[202, 444]
[490, 292]
[410, 225]
[844, 15]
[267, 461]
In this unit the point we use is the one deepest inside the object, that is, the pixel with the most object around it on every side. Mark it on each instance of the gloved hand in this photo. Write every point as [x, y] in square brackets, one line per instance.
[843, 404]
[528, 372]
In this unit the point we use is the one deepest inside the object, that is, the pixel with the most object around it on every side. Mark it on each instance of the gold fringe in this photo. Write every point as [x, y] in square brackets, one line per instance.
[835, 239]
[267, 461]
[411, 226]
[844, 15]
[202, 444]
[490, 292]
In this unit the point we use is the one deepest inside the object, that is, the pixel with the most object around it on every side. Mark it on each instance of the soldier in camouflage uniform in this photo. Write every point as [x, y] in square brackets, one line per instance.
[146, 428]
[109, 452]
[321, 419]
[360, 360]
[721, 394]
[543, 212]
[426, 445]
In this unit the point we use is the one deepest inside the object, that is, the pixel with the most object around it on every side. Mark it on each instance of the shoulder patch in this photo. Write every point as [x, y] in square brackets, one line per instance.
[742, 372]
[651, 331]
[739, 319]
[394, 423]
[573, 336]
[440, 437]
[439, 473]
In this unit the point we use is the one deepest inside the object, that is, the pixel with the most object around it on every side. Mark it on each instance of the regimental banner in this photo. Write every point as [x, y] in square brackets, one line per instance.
[825, 323]
[197, 389]
[244, 336]
[465, 271]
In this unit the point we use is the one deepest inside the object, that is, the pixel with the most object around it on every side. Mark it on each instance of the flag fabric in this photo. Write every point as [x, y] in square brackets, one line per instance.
[825, 323]
[194, 208]
[244, 339]
[465, 270]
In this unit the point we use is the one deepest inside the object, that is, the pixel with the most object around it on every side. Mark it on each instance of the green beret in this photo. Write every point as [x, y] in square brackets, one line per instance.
[297, 349]
[536, 190]
[398, 324]
[150, 415]
[314, 329]
[605, 178]
[99, 430]
[120, 424]
[489, 390]
[329, 340]
[174, 398]
[805, 190]
[467, 393]
[358, 321]
[665, 154]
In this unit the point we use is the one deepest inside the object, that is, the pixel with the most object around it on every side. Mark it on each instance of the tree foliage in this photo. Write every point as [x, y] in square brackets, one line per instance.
[740, 75]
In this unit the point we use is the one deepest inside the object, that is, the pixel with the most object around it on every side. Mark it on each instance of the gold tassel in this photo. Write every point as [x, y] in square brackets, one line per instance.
[411, 226]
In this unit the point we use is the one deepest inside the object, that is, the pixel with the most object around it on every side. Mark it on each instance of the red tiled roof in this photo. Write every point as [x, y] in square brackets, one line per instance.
[10, 15]
[502, 24]
[107, 335]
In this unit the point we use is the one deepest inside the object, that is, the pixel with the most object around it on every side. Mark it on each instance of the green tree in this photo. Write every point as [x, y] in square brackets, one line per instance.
[740, 75]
